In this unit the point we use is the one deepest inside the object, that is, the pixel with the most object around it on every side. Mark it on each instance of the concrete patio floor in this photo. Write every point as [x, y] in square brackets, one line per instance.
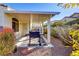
[23, 48]
[24, 41]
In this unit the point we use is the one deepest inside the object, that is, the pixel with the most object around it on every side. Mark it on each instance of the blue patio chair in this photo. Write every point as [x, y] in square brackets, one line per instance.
[34, 35]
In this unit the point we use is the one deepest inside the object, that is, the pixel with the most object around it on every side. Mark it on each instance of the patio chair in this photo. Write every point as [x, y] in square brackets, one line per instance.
[34, 35]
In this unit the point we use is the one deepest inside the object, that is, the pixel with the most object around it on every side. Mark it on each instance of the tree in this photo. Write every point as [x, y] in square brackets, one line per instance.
[68, 5]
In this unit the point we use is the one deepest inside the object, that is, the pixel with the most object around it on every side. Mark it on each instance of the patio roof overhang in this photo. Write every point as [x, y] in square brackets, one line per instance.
[37, 16]
[31, 17]
[33, 12]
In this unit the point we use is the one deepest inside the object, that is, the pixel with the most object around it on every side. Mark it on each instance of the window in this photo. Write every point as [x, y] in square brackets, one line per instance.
[15, 24]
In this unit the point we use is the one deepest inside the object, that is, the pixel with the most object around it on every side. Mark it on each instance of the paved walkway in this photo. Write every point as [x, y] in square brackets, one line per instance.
[59, 48]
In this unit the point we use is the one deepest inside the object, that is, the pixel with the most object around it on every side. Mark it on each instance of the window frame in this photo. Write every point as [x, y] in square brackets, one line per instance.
[15, 24]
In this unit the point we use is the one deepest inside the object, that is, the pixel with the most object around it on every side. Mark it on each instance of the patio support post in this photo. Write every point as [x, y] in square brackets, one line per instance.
[31, 19]
[42, 28]
[48, 31]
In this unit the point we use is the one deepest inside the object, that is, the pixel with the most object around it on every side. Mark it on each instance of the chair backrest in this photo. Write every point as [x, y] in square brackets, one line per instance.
[34, 34]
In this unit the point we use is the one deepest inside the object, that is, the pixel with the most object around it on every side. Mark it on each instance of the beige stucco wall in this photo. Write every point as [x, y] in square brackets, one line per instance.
[2, 19]
[23, 28]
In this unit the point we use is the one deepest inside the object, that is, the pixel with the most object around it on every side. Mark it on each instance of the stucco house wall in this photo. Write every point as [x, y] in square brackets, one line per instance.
[23, 28]
[6, 21]
[2, 19]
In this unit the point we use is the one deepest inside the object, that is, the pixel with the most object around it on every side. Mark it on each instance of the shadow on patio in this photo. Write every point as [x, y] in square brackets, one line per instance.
[24, 41]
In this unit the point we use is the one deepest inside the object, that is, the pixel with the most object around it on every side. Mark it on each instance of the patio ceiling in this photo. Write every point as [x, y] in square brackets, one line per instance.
[37, 16]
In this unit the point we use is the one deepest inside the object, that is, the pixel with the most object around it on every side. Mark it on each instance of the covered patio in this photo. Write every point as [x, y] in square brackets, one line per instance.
[31, 21]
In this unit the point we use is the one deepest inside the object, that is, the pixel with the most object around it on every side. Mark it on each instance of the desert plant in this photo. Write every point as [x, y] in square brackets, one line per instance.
[75, 37]
[75, 26]
[7, 41]
[69, 36]
[75, 53]
[53, 32]
[72, 22]
[63, 34]
[57, 23]
[74, 33]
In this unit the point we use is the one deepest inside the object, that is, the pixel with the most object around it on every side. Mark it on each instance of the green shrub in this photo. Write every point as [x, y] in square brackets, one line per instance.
[58, 23]
[53, 33]
[69, 36]
[75, 53]
[76, 21]
[7, 41]
[75, 26]
[74, 33]
[75, 37]
[63, 34]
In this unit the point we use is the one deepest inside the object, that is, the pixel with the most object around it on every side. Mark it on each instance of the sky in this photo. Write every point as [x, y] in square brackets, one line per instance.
[50, 7]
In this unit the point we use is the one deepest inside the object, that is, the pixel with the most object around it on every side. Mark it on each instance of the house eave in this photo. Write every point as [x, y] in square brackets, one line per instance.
[33, 12]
